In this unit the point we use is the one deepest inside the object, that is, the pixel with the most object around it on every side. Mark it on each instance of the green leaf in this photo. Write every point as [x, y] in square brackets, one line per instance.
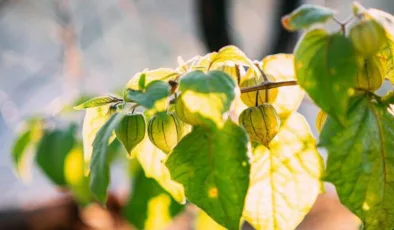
[141, 82]
[285, 179]
[150, 207]
[326, 67]
[19, 150]
[98, 101]
[99, 166]
[52, 152]
[213, 167]
[94, 119]
[306, 16]
[388, 98]
[206, 96]
[154, 98]
[24, 145]
[360, 161]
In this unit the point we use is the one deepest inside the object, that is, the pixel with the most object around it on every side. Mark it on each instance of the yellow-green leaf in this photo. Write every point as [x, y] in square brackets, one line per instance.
[281, 67]
[160, 74]
[98, 101]
[94, 119]
[284, 179]
[151, 160]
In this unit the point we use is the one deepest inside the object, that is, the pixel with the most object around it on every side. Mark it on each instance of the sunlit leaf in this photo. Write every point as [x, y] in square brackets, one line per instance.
[281, 67]
[150, 207]
[326, 67]
[306, 16]
[99, 165]
[151, 160]
[52, 152]
[230, 55]
[142, 82]
[204, 222]
[360, 161]
[98, 101]
[154, 98]
[205, 96]
[213, 167]
[94, 119]
[160, 74]
[285, 179]
[387, 50]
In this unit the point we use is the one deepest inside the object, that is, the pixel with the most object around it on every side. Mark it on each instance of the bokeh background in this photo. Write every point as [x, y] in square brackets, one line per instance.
[51, 51]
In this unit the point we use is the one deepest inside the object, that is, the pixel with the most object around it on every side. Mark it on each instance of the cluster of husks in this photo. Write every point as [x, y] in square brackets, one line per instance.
[368, 37]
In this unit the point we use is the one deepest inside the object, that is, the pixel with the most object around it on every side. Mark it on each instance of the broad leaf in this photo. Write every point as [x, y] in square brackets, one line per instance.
[99, 166]
[150, 207]
[94, 119]
[52, 152]
[360, 161]
[326, 67]
[213, 167]
[207, 95]
[306, 16]
[285, 179]
[151, 160]
[160, 74]
[281, 67]
[154, 98]
[386, 53]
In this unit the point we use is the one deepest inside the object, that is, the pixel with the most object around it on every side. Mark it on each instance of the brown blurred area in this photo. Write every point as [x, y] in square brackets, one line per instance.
[53, 50]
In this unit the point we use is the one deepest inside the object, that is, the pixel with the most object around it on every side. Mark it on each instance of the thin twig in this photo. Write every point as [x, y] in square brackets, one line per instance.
[268, 85]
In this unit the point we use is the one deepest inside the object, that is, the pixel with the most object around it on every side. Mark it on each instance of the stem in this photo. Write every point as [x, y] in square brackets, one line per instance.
[262, 72]
[344, 23]
[268, 85]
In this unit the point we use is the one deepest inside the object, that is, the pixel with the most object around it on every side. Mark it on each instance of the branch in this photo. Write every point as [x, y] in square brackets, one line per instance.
[268, 85]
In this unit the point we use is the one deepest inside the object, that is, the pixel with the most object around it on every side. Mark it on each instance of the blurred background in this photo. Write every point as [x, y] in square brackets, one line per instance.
[51, 51]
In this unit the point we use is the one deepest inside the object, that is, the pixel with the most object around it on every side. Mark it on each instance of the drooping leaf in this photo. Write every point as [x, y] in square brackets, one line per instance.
[19, 152]
[213, 167]
[360, 161]
[94, 119]
[154, 98]
[206, 96]
[97, 101]
[99, 165]
[150, 207]
[52, 152]
[326, 67]
[204, 222]
[24, 145]
[306, 16]
[160, 74]
[285, 179]
[151, 160]
[281, 67]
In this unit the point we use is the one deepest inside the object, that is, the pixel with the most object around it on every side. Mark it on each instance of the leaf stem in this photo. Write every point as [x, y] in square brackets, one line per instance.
[343, 24]
[268, 85]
